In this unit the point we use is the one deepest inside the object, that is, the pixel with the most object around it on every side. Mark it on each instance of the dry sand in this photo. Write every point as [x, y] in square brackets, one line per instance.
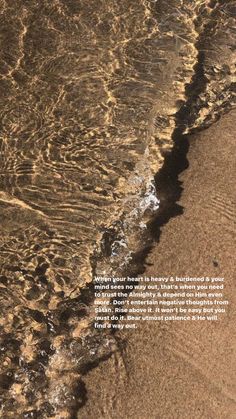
[183, 370]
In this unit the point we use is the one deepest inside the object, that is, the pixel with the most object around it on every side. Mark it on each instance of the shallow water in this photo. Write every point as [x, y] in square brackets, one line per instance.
[89, 97]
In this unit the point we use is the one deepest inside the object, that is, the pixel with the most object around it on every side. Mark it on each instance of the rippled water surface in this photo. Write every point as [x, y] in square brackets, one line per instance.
[89, 96]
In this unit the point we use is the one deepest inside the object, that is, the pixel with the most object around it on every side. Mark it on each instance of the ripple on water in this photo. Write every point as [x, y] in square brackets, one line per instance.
[89, 94]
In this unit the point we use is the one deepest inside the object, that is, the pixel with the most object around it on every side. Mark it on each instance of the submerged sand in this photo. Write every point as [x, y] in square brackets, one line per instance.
[183, 370]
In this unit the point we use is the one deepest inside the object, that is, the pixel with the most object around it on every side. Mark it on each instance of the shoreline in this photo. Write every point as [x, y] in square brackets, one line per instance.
[182, 369]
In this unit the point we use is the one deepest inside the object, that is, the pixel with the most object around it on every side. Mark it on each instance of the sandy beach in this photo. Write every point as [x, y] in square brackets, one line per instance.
[113, 164]
[183, 370]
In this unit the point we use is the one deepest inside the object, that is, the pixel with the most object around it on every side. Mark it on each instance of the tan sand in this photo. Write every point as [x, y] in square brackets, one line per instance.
[183, 370]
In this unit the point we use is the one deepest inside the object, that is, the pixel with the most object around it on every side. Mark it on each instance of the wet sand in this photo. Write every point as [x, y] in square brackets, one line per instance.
[183, 370]
[94, 94]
